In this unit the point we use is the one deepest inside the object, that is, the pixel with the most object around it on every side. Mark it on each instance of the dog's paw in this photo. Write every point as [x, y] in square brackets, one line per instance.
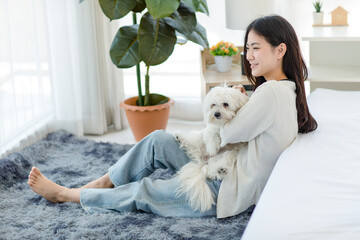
[221, 173]
[216, 172]
[178, 137]
[183, 140]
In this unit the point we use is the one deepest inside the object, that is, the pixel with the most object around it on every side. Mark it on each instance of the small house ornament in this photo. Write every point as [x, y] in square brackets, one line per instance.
[339, 17]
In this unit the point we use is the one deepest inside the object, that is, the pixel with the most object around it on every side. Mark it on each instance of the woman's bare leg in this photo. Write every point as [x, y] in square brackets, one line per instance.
[56, 193]
[102, 182]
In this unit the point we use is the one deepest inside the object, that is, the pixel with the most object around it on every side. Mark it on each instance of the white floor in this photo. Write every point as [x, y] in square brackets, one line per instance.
[125, 135]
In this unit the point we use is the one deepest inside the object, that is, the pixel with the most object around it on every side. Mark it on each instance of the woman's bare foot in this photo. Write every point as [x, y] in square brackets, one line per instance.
[50, 190]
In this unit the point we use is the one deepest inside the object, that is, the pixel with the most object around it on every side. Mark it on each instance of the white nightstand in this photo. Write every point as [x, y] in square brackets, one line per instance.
[211, 78]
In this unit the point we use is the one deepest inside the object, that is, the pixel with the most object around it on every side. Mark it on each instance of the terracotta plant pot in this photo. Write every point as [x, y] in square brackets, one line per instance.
[144, 120]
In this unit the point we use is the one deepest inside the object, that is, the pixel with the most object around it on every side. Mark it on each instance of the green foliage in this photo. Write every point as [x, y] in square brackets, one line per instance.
[165, 23]
[156, 40]
[317, 6]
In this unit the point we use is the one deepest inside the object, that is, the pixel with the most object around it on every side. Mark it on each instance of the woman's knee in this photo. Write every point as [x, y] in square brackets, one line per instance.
[161, 136]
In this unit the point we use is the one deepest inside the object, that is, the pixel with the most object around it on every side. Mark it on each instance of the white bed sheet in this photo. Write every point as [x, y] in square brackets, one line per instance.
[314, 189]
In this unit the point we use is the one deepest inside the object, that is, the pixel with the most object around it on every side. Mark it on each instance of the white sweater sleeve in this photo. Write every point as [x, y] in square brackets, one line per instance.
[253, 118]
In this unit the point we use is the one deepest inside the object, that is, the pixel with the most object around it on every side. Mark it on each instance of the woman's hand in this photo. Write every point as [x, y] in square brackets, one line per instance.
[241, 88]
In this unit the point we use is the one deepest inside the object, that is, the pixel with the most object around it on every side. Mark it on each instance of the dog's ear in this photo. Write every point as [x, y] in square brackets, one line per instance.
[207, 100]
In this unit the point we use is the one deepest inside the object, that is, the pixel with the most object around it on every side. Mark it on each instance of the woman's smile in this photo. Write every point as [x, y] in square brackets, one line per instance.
[253, 65]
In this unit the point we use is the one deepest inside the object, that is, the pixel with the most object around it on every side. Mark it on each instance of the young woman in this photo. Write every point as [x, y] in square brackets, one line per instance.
[269, 122]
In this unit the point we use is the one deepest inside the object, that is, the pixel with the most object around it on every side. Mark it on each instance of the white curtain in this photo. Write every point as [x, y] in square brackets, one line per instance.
[55, 70]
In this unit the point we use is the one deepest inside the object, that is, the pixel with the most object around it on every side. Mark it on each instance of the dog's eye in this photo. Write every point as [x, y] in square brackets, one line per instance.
[213, 105]
[225, 104]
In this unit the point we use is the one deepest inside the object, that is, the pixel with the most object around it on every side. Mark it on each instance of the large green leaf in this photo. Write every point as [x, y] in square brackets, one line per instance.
[115, 9]
[197, 5]
[140, 6]
[162, 8]
[181, 38]
[182, 20]
[156, 99]
[193, 4]
[124, 50]
[203, 7]
[199, 36]
[156, 40]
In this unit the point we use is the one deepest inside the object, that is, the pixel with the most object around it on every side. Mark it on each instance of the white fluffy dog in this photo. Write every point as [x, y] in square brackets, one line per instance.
[209, 160]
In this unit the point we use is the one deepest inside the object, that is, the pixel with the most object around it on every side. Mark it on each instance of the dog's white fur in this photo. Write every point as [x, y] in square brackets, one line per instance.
[209, 160]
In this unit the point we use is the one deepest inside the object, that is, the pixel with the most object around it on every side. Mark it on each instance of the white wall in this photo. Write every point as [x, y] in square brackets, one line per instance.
[297, 12]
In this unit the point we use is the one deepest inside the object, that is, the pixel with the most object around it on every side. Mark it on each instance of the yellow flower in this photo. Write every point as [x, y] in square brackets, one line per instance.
[223, 48]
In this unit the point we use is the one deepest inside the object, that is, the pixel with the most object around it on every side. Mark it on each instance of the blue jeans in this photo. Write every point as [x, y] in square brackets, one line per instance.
[134, 190]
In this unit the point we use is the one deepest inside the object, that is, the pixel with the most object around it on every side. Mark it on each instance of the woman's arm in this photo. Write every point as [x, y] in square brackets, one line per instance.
[253, 118]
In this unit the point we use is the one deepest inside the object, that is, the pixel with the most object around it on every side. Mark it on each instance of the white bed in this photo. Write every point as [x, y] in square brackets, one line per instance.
[314, 189]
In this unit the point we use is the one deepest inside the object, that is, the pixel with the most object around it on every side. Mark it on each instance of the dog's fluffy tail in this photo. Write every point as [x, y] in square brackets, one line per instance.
[194, 186]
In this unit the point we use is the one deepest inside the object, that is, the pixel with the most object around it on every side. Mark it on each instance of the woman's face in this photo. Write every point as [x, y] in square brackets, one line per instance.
[264, 59]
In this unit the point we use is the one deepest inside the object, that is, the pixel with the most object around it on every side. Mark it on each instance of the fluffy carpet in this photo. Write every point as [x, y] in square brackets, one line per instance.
[73, 161]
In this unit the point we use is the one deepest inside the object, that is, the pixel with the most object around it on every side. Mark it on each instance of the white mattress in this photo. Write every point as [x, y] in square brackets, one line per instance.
[314, 189]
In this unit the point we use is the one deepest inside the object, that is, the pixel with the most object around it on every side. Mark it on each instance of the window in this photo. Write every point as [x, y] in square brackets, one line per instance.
[25, 88]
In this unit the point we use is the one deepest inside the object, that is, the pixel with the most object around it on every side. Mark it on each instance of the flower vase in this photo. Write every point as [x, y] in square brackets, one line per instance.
[223, 63]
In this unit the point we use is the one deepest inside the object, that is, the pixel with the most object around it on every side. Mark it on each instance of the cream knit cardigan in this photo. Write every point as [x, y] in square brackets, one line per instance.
[268, 122]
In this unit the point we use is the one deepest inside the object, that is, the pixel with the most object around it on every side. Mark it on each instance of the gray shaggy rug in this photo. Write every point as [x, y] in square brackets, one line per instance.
[73, 161]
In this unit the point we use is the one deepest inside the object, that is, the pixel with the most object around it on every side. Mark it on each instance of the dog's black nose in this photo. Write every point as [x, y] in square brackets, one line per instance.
[217, 114]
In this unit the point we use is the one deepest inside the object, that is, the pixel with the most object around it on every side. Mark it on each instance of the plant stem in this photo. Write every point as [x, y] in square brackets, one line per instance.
[138, 76]
[147, 87]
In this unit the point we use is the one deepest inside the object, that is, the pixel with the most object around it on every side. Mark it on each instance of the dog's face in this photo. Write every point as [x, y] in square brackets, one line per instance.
[222, 103]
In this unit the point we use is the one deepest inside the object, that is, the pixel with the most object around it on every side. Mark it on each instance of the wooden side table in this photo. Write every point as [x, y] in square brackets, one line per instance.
[211, 78]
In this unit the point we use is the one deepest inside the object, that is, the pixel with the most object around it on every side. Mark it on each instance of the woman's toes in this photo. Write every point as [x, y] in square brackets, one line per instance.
[31, 183]
[32, 176]
[35, 171]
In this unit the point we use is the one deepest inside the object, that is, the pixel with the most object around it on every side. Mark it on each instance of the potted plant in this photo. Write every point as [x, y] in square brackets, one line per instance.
[223, 52]
[163, 24]
[318, 15]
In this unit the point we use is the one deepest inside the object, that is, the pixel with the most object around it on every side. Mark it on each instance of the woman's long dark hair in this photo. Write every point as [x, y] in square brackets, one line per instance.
[277, 30]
